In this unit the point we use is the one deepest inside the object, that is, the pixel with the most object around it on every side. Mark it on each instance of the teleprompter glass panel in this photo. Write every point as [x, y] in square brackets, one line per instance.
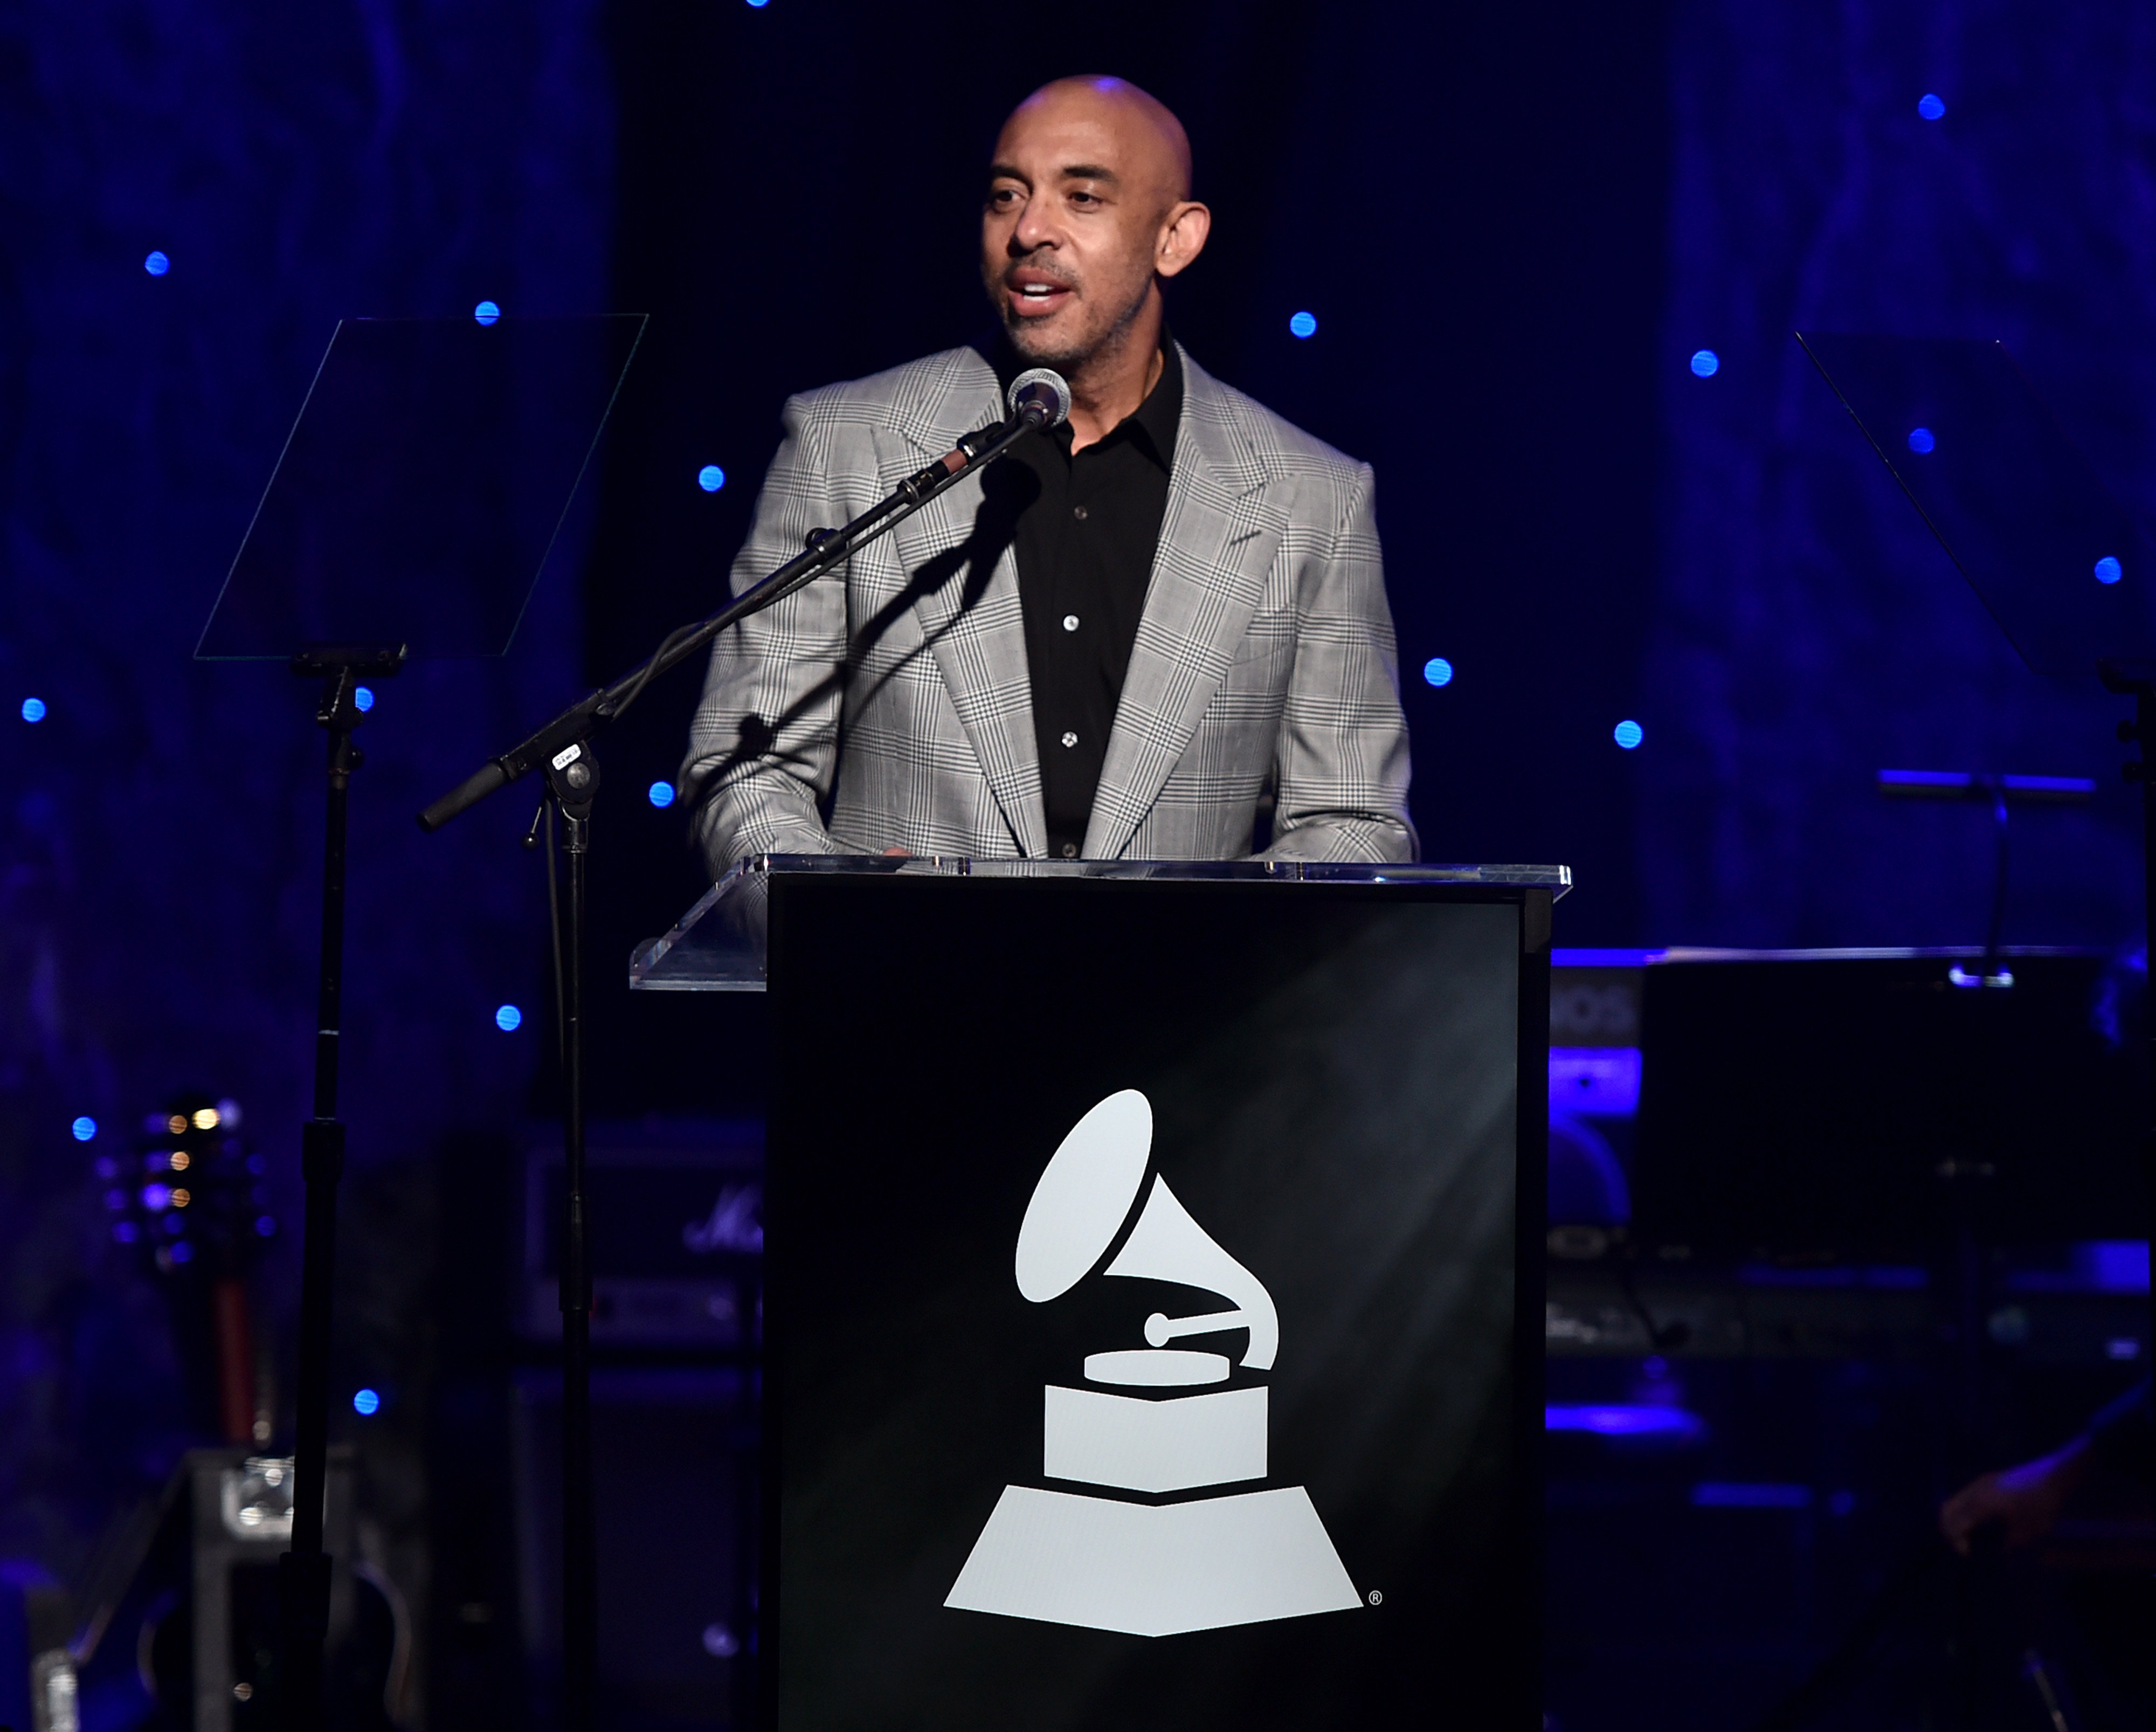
[421, 485]
[2061, 566]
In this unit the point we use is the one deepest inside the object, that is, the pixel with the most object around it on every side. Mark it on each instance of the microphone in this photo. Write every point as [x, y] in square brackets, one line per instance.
[1041, 397]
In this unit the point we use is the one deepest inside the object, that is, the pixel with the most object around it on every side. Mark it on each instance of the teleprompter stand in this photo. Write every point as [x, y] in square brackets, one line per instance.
[415, 501]
[562, 750]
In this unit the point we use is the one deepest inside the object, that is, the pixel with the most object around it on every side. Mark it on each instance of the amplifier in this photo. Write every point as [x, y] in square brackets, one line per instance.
[676, 1234]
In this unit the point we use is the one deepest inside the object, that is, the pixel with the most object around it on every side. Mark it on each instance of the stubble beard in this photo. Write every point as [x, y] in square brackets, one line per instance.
[1072, 359]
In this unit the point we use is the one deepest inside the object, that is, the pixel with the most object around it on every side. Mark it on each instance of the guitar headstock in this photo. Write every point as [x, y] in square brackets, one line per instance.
[191, 1192]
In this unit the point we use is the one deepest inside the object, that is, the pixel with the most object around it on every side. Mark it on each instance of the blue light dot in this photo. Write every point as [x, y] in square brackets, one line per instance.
[156, 265]
[1629, 734]
[1930, 107]
[662, 794]
[486, 312]
[1922, 442]
[265, 1225]
[183, 1252]
[84, 1129]
[33, 709]
[365, 1403]
[1437, 671]
[362, 699]
[1704, 363]
[509, 1018]
[124, 1231]
[1303, 325]
[2108, 570]
[711, 478]
[759, 4]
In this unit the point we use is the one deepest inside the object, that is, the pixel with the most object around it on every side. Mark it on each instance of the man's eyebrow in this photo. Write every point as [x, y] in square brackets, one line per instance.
[1091, 172]
[1004, 172]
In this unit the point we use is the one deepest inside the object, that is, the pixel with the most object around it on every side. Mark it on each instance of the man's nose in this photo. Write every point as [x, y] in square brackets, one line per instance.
[1034, 228]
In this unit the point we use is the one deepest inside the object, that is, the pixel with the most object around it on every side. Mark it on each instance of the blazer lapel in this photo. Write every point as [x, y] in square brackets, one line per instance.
[1217, 539]
[971, 618]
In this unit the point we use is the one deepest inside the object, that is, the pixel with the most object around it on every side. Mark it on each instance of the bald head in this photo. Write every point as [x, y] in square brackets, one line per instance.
[1142, 121]
[1088, 209]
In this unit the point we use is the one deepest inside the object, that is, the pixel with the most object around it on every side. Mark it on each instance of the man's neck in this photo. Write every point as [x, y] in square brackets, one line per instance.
[1107, 391]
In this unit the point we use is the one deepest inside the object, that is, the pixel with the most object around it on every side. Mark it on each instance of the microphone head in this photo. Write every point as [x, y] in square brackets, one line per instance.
[1041, 396]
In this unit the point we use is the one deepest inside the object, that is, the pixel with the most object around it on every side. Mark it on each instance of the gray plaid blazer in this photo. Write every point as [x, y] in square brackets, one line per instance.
[893, 695]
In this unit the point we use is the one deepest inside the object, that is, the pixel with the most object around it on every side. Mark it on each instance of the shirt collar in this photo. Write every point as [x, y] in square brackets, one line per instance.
[1151, 426]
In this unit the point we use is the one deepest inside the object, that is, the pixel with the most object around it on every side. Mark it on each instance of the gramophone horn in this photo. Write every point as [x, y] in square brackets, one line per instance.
[1167, 1245]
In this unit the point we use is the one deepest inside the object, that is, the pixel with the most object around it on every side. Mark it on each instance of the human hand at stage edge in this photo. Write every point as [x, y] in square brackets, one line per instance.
[897, 854]
[2024, 1502]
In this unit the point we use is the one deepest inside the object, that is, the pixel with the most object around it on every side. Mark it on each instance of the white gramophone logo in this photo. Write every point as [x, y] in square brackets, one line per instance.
[1110, 1563]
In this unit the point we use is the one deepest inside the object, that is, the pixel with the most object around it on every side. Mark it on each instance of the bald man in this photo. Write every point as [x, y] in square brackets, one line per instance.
[1120, 642]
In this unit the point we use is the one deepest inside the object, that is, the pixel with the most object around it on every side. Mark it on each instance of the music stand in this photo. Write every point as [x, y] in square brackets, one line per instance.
[2061, 567]
[415, 501]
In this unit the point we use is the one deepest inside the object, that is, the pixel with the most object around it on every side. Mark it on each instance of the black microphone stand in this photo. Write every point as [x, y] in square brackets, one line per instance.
[562, 747]
[303, 1573]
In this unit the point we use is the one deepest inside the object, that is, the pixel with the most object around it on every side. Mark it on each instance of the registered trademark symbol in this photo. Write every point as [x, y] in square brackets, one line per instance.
[1377, 1598]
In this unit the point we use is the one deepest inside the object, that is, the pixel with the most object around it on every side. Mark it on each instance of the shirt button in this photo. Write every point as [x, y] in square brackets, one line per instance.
[1078, 512]
[1071, 851]
[1070, 622]
[1069, 739]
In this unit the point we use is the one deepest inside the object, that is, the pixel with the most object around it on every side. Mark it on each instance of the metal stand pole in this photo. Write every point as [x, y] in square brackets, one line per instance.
[574, 782]
[303, 1575]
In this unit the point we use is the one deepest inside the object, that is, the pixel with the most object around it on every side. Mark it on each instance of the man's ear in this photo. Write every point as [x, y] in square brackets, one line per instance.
[1182, 238]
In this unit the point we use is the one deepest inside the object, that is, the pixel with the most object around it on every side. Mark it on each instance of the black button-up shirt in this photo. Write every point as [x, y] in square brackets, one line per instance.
[1087, 527]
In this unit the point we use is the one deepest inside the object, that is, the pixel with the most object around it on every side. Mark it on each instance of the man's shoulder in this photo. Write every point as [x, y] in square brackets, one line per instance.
[1233, 427]
[919, 395]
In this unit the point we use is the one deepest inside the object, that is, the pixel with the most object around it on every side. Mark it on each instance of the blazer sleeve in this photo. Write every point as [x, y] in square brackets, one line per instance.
[1340, 772]
[763, 748]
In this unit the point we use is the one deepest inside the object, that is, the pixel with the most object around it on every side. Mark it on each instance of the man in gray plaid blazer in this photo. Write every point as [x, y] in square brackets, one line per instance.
[890, 706]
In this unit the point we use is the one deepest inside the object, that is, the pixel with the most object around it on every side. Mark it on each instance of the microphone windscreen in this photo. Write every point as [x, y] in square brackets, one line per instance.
[1042, 387]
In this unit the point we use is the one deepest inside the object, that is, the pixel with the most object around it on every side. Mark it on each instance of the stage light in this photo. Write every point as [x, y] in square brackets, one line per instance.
[1628, 735]
[183, 1252]
[711, 478]
[662, 794]
[2108, 570]
[1922, 442]
[365, 1403]
[115, 1199]
[362, 699]
[206, 1119]
[1303, 325]
[1437, 671]
[509, 1018]
[228, 1114]
[1704, 363]
[84, 1129]
[1623, 1419]
[265, 1225]
[33, 709]
[1930, 107]
[759, 4]
[124, 1231]
[157, 1197]
[157, 264]
[486, 312]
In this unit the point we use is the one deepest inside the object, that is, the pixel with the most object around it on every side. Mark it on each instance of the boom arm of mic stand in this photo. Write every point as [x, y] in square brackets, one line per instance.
[827, 548]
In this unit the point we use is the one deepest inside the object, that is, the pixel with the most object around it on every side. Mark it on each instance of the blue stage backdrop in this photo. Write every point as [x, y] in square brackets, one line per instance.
[193, 195]
[1512, 230]
[1927, 170]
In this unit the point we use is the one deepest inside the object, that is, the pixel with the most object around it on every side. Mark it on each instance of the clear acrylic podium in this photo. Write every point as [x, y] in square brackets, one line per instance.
[1152, 1325]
